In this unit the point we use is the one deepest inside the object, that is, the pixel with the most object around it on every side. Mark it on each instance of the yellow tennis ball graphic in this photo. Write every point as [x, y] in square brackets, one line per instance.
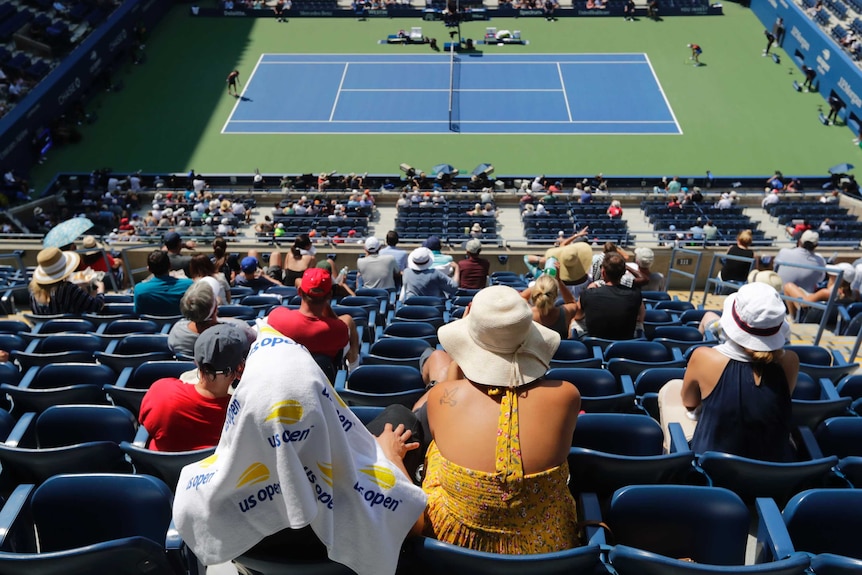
[325, 472]
[382, 476]
[286, 412]
[256, 473]
[208, 461]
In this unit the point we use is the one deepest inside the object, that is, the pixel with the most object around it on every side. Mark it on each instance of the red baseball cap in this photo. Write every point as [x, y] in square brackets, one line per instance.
[316, 282]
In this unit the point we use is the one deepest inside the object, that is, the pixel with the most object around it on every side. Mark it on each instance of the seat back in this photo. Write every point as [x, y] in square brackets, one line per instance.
[603, 473]
[651, 380]
[66, 374]
[143, 343]
[237, 310]
[674, 305]
[412, 329]
[61, 425]
[433, 556]
[397, 351]
[825, 521]
[629, 561]
[125, 555]
[811, 354]
[590, 382]
[61, 342]
[426, 313]
[37, 465]
[646, 351]
[146, 373]
[619, 433]
[77, 510]
[707, 524]
[750, 478]
[162, 464]
[573, 353]
[385, 379]
[25, 399]
[61, 325]
[840, 436]
[128, 326]
[678, 333]
[849, 386]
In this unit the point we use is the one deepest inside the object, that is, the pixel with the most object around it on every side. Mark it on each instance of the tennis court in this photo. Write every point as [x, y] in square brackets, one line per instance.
[472, 93]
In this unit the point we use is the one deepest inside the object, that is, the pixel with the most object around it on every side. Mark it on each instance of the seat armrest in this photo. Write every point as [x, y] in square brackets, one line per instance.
[23, 430]
[808, 443]
[677, 354]
[590, 510]
[773, 540]
[598, 353]
[142, 436]
[112, 346]
[124, 377]
[678, 442]
[28, 378]
[340, 380]
[827, 389]
[11, 514]
[627, 384]
[173, 540]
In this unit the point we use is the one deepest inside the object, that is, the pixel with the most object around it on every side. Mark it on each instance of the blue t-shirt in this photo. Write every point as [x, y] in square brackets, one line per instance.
[160, 295]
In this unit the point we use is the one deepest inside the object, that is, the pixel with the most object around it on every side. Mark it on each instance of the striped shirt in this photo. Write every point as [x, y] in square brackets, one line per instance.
[67, 297]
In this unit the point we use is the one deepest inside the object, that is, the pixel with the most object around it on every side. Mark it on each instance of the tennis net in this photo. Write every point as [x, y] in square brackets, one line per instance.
[454, 89]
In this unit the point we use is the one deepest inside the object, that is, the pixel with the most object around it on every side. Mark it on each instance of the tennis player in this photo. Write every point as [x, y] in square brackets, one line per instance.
[696, 51]
[232, 81]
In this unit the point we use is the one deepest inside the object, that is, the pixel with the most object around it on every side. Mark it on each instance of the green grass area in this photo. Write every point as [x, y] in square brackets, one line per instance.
[738, 113]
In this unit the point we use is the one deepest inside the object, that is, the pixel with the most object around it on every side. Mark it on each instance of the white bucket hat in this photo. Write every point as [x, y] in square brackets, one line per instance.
[498, 344]
[420, 259]
[753, 317]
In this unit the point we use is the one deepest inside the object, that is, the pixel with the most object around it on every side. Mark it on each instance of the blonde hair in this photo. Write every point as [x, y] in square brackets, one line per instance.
[42, 292]
[745, 238]
[544, 293]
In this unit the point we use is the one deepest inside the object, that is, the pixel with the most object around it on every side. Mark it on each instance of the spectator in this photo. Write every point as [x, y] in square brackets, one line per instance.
[575, 259]
[473, 270]
[199, 308]
[376, 270]
[644, 258]
[770, 199]
[710, 231]
[796, 230]
[734, 270]
[611, 311]
[543, 295]
[739, 391]
[96, 260]
[803, 253]
[725, 202]
[300, 258]
[174, 245]
[182, 417]
[674, 187]
[203, 269]
[845, 295]
[391, 249]
[506, 503]
[440, 260]
[252, 276]
[52, 293]
[161, 294]
[227, 265]
[615, 211]
[315, 325]
[421, 278]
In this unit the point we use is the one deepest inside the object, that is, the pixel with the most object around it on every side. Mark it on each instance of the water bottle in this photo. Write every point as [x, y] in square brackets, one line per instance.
[551, 267]
[341, 275]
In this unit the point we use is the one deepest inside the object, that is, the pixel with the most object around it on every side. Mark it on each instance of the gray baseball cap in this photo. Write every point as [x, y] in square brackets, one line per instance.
[223, 346]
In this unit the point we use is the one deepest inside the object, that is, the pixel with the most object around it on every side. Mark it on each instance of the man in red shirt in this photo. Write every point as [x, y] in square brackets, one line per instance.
[183, 416]
[314, 324]
[473, 269]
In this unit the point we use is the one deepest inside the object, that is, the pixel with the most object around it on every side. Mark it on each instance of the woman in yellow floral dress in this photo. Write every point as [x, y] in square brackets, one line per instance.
[496, 470]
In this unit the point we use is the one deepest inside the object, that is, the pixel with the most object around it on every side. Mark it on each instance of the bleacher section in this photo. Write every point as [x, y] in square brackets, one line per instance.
[845, 228]
[729, 222]
[568, 217]
[448, 220]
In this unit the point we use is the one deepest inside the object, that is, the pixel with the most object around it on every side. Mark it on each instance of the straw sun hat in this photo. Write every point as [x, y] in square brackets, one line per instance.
[55, 265]
[498, 344]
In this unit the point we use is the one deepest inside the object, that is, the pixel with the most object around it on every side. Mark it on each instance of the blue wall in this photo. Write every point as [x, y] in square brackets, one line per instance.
[66, 84]
[807, 44]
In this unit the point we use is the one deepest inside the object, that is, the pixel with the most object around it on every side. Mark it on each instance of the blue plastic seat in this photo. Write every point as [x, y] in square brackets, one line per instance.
[123, 327]
[396, 351]
[382, 385]
[163, 464]
[412, 330]
[629, 434]
[674, 305]
[133, 383]
[238, 310]
[648, 384]
[59, 383]
[632, 357]
[630, 561]
[83, 523]
[750, 478]
[432, 556]
[600, 390]
[60, 347]
[708, 525]
[572, 353]
[424, 313]
[63, 324]
[819, 362]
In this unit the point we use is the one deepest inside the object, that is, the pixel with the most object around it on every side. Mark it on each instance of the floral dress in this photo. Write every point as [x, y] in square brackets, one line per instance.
[504, 511]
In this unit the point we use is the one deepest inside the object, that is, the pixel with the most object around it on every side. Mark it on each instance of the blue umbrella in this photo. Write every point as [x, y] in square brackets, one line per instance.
[66, 232]
[486, 169]
[445, 169]
[841, 168]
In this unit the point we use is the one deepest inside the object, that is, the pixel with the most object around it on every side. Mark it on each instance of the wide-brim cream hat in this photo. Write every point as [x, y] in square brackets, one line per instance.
[498, 344]
[55, 265]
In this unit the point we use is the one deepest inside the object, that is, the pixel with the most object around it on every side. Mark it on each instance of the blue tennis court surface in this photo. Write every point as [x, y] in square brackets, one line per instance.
[487, 94]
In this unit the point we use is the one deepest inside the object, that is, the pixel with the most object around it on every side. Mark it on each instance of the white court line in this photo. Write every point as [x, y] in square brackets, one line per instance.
[565, 95]
[663, 95]
[238, 100]
[448, 133]
[338, 93]
[498, 122]
[441, 63]
[386, 90]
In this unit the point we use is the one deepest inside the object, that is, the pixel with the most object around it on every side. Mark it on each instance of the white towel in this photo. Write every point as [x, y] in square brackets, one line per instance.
[292, 454]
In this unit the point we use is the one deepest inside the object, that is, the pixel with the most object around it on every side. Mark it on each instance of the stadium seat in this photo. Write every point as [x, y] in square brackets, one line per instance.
[58, 384]
[238, 310]
[396, 351]
[411, 330]
[162, 464]
[819, 362]
[572, 353]
[632, 357]
[60, 347]
[629, 434]
[648, 384]
[122, 327]
[630, 561]
[600, 390]
[133, 383]
[430, 314]
[381, 385]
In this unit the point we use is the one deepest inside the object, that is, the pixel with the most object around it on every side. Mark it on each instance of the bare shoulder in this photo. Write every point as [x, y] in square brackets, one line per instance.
[789, 360]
